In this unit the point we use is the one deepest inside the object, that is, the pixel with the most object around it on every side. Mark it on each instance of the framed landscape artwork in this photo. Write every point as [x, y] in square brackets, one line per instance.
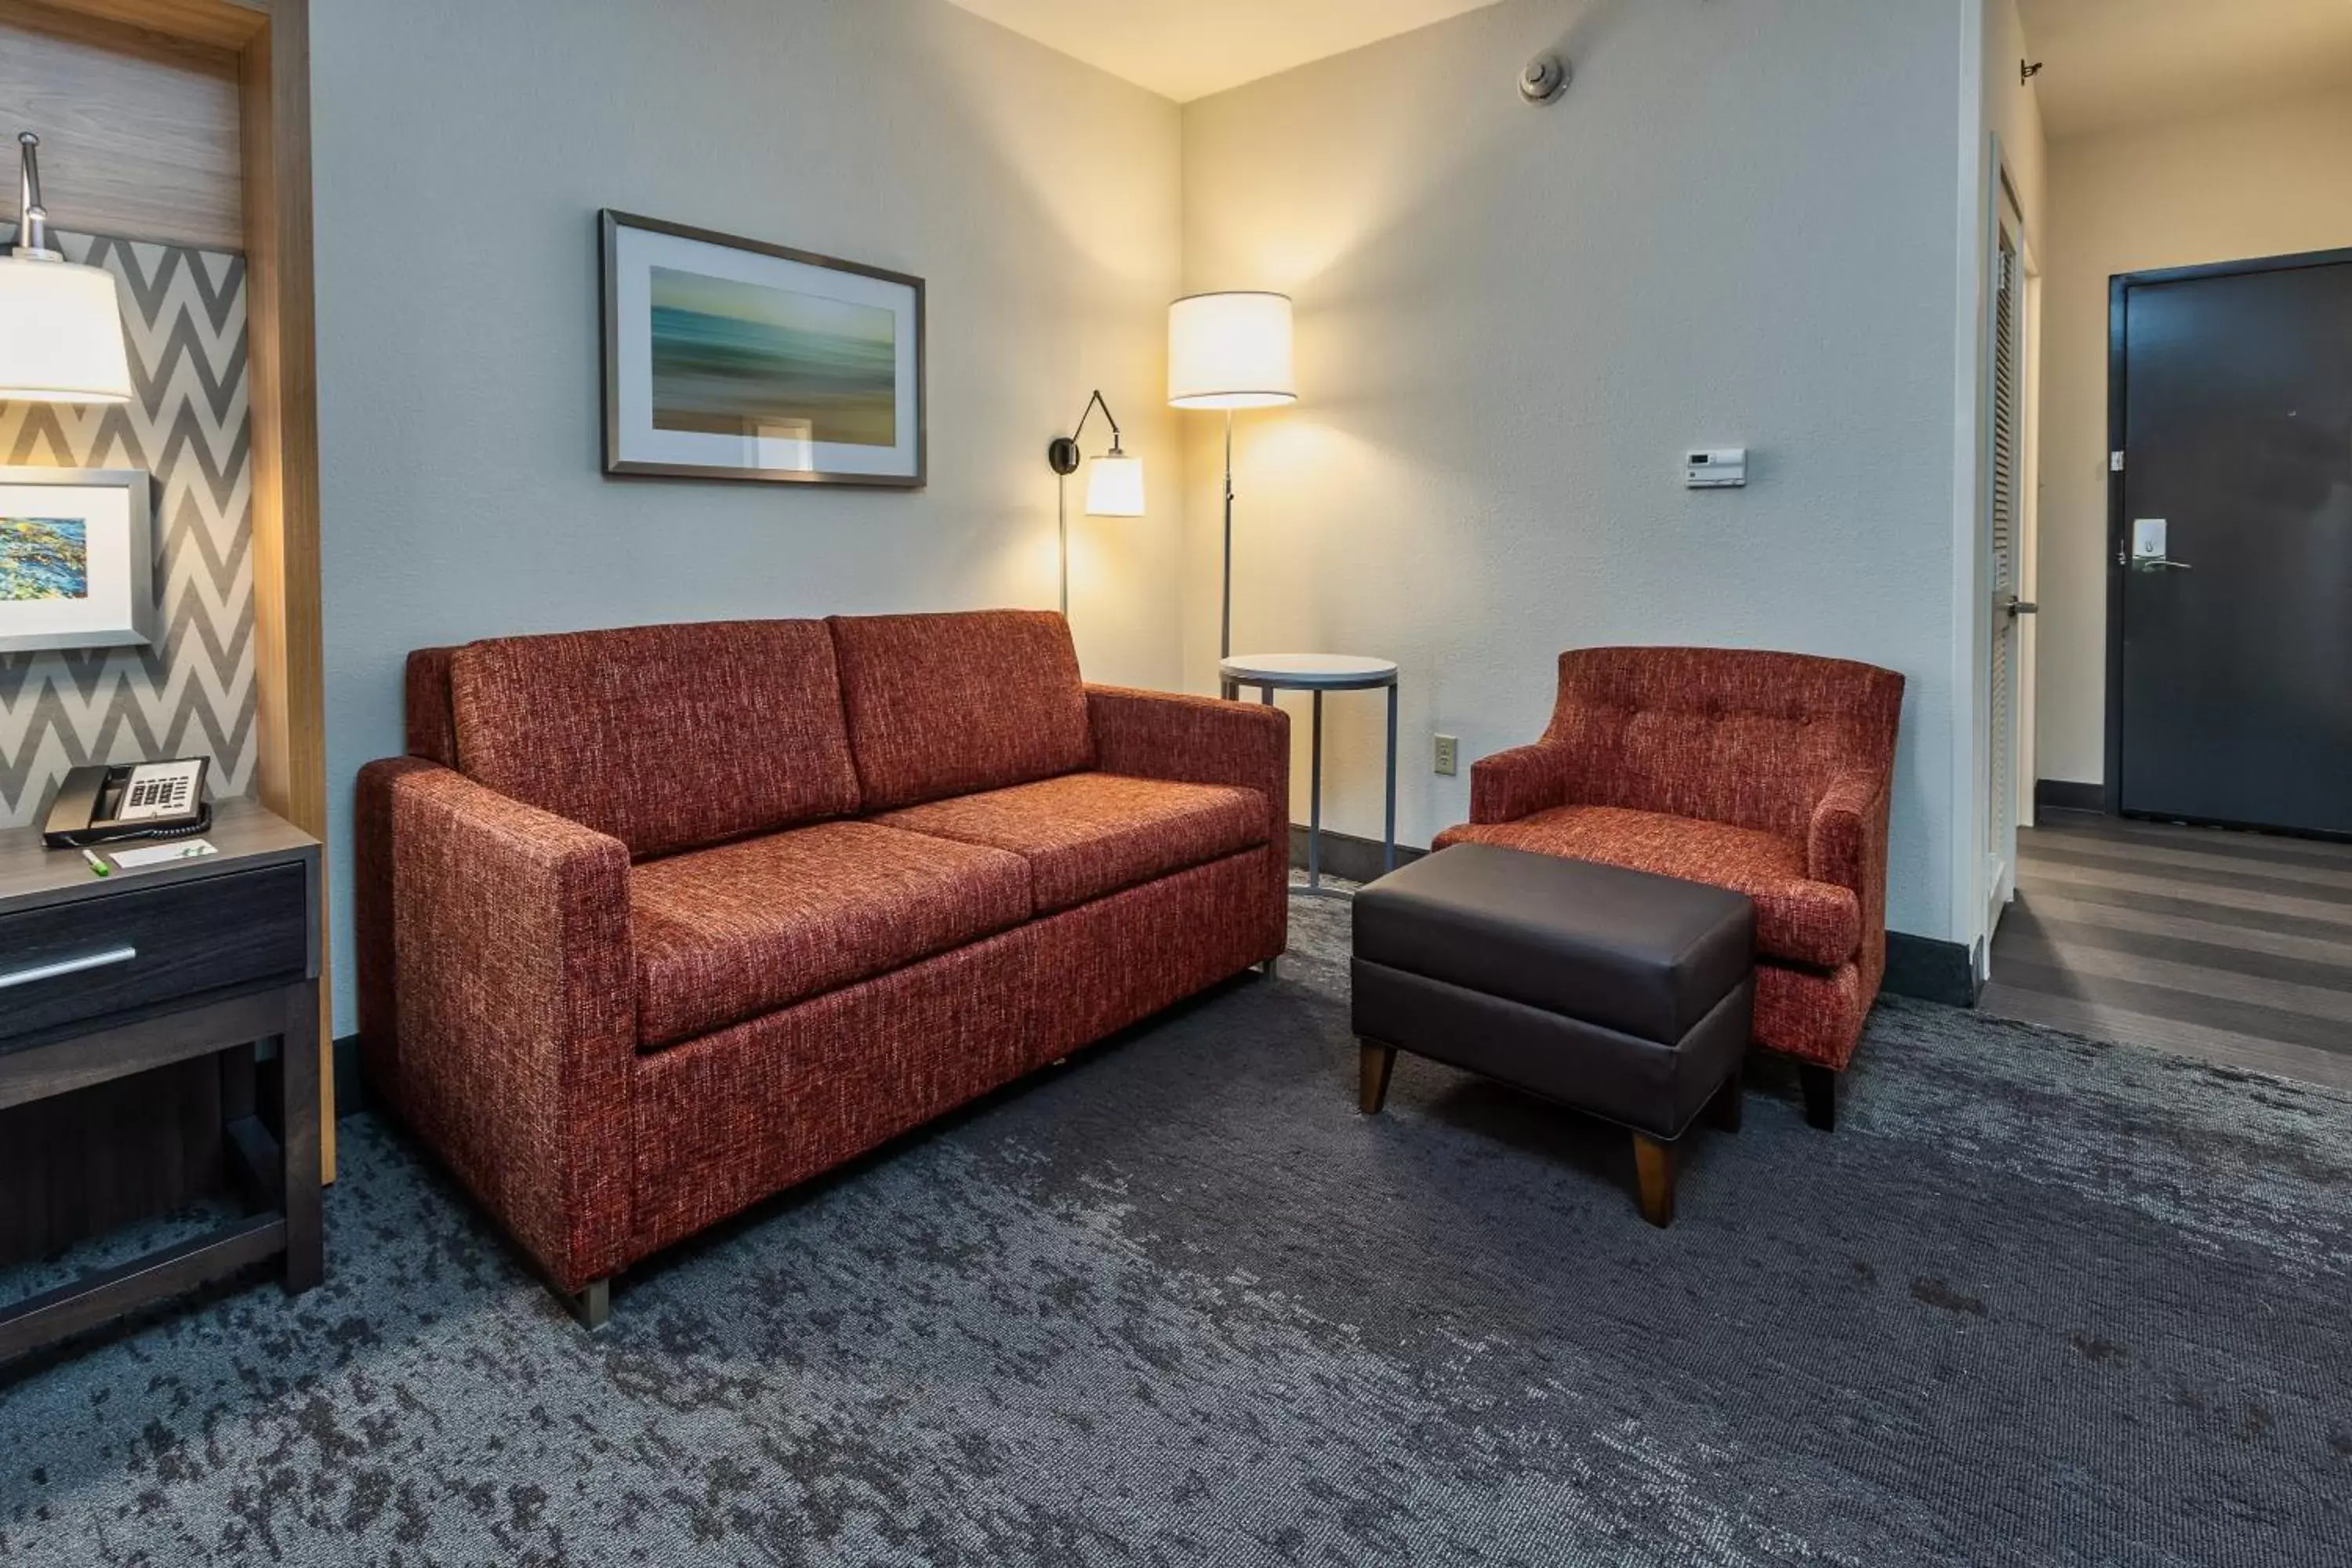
[726, 358]
[77, 558]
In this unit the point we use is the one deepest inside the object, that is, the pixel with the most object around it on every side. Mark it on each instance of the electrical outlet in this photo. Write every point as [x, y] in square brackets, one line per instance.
[1449, 755]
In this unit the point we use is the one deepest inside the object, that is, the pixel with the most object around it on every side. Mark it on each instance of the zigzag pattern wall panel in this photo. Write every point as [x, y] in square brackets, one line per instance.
[184, 311]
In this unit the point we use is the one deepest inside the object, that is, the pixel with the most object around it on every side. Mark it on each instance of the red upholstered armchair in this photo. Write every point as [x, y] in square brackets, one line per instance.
[1769, 774]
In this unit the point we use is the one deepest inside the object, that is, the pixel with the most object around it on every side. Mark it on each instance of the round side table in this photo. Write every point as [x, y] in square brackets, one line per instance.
[1319, 673]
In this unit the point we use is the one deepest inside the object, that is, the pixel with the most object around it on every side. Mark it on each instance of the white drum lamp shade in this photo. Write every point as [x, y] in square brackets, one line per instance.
[1231, 351]
[60, 334]
[1115, 486]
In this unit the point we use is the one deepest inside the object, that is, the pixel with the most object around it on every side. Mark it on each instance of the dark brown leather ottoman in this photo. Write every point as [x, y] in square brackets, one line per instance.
[1615, 992]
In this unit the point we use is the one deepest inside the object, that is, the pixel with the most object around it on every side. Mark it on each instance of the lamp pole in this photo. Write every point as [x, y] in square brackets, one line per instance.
[1225, 627]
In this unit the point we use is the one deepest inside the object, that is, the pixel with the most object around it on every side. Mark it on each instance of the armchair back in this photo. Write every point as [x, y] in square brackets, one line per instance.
[1751, 738]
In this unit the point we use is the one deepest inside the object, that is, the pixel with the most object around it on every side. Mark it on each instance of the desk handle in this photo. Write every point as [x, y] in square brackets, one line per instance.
[65, 966]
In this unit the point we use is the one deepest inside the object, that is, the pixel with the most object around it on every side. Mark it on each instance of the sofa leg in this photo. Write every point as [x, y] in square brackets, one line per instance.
[593, 1306]
[1821, 1095]
[1653, 1163]
[1724, 1110]
[1268, 967]
[1374, 1064]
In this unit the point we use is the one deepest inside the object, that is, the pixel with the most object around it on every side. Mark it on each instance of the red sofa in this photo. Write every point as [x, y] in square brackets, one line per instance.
[1767, 773]
[654, 923]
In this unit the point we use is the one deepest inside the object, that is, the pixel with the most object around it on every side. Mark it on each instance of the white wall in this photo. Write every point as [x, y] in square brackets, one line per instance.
[2274, 181]
[462, 151]
[1743, 225]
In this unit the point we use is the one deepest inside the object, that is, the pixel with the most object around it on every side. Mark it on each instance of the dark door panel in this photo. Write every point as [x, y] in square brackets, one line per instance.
[2236, 660]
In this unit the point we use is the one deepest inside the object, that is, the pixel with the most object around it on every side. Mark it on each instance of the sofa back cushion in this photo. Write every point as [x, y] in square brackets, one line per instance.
[667, 738]
[945, 705]
[1730, 735]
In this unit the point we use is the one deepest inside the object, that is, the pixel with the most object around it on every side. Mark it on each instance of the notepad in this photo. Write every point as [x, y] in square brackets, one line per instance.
[163, 854]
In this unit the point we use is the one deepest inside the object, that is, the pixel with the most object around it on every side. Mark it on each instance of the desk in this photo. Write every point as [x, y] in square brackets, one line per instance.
[1319, 673]
[102, 979]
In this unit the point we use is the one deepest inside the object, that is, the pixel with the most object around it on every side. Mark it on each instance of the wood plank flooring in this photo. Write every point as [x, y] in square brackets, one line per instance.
[2235, 947]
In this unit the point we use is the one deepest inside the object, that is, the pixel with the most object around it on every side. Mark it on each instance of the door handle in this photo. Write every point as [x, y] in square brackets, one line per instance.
[2016, 608]
[65, 966]
[2161, 563]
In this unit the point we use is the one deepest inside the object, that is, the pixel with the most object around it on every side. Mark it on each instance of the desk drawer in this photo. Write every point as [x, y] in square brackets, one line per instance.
[79, 963]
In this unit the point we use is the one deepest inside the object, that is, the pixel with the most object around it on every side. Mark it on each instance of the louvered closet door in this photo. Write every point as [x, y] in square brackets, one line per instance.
[2007, 355]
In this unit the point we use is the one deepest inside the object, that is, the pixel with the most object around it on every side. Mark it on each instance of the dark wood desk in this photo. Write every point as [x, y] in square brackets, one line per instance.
[184, 965]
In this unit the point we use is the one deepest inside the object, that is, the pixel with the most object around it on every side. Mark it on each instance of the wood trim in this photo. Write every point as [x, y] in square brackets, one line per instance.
[228, 24]
[139, 131]
[281, 324]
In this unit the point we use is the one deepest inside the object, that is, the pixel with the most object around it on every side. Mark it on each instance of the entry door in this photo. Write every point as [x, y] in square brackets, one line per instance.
[2233, 548]
[2003, 497]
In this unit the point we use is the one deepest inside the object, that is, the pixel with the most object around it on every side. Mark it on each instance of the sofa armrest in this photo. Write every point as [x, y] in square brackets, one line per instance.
[1847, 835]
[1518, 782]
[1194, 740]
[512, 1025]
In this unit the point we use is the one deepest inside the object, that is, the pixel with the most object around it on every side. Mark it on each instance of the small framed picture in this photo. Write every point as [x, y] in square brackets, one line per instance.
[729, 359]
[77, 558]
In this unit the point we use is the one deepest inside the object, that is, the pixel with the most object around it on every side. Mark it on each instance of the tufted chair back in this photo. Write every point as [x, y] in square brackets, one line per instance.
[1730, 735]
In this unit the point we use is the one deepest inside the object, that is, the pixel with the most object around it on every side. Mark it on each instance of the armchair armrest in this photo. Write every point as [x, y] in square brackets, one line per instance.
[1195, 740]
[512, 1023]
[1847, 841]
[1518, 782]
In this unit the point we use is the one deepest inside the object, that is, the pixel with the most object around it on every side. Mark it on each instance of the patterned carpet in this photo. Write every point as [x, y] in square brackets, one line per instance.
[2036, 1302]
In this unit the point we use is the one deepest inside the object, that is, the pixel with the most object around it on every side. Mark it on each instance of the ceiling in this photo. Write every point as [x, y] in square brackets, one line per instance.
[2107, 64]
[1186, 50]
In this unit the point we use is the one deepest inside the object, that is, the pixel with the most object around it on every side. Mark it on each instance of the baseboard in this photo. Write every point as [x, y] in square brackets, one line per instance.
[2065, 795]
[350, 1091]
[1347, 857]
[1930, 969]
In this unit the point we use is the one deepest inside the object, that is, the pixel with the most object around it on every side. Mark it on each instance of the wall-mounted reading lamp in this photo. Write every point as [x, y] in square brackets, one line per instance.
[1114, 481]
[60, 322]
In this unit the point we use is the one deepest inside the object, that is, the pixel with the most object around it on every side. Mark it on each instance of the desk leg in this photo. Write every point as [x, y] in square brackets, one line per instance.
[1314, 807]
[1387, 861]
[298, 1063]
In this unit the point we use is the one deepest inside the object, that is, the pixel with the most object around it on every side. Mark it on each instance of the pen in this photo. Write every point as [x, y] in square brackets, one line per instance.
[98, 868]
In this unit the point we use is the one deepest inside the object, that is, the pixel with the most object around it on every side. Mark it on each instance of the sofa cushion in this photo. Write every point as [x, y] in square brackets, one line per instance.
[733, 933]
[666, 738]
[1087, 834]
[945, 705]
[1797, 919]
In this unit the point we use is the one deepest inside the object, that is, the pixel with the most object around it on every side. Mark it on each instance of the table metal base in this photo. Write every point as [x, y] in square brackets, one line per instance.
[1314, 888]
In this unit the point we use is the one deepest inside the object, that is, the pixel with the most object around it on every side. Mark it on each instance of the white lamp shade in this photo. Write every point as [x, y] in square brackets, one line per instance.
[1115, 486]
[1230, 351]
[60, 334]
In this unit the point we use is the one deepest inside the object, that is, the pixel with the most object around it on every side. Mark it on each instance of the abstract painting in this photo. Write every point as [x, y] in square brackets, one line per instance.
[726, 358]
[44, 558]
[77, 558]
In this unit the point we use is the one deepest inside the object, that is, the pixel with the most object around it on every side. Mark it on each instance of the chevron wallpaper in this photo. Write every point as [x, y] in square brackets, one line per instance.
[184, 312]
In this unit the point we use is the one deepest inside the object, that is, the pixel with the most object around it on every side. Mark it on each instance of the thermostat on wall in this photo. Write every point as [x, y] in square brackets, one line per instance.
[1723, 468]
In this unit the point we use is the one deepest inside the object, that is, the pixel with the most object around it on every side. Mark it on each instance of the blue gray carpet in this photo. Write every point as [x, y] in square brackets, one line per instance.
[2037, 1302]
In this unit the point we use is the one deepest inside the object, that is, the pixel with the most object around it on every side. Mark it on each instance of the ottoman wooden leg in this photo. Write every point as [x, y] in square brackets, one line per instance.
[1821, 1095]
[1725, 1108]
[1374, 1064]
[1654, 1163]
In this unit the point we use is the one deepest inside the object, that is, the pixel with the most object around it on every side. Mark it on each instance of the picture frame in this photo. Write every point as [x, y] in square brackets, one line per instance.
[77, 558]
[728, 358]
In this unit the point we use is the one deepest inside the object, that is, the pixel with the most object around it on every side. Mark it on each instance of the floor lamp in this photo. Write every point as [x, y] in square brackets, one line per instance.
[1227, 351]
